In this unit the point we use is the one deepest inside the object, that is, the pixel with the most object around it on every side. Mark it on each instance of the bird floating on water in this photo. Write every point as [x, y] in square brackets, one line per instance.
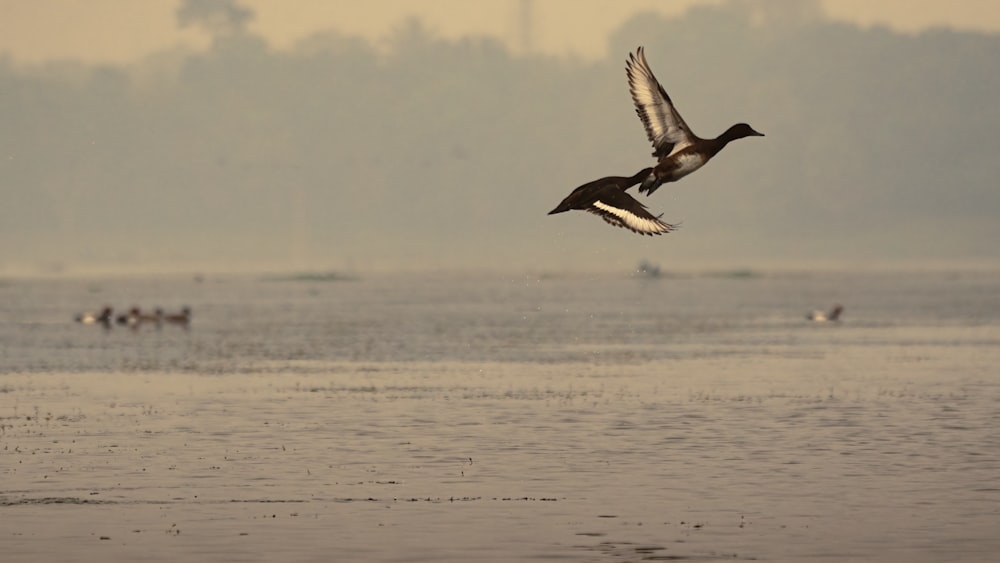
[821, 317]
[98, 317]
[181, 318]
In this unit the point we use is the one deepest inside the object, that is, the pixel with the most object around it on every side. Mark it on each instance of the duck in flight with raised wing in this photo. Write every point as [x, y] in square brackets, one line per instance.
[680, 152]
[606, 198]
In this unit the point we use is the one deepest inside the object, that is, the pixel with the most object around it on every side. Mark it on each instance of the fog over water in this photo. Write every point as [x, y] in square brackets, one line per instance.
[394, 354]
[425, 153]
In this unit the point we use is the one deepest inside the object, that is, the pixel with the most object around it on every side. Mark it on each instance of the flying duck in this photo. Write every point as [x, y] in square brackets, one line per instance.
[606, 198]
[680, 152]
[821, 317]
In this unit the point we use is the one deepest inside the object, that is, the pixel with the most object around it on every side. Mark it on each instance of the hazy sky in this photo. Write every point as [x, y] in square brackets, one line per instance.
[119, 31]
[289, 134]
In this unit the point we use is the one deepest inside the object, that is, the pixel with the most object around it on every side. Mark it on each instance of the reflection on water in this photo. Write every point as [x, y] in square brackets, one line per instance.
[428, 419]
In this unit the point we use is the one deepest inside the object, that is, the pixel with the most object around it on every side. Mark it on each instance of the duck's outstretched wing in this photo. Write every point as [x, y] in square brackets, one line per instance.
[622, 210]
[664, 126]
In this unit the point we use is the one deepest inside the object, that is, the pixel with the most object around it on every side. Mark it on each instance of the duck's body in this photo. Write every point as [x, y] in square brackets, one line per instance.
[130, 318]
[182, 318]
[821, 317]
[137, 316]
[606, 198]
[155, 317]
[679, 151]
[98, 317]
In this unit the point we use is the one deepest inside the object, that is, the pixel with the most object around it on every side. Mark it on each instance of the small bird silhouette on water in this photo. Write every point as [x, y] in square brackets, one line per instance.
[821, 317]
[97, 317]
[182, 318]
[678, 150]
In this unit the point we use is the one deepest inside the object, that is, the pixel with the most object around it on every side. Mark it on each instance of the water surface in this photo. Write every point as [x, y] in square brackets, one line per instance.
[504, 418]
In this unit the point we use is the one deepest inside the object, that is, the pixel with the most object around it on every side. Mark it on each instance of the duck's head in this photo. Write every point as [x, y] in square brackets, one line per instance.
[741, 130]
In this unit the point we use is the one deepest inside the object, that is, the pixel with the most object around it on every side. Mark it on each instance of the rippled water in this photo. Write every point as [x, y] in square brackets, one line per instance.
[499, 418]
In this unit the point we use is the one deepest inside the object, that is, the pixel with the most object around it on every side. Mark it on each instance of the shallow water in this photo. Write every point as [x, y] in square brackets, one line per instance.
[504, 419]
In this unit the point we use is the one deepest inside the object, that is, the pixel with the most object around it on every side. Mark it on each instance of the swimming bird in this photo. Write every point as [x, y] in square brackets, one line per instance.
[680, 152]
[182, 318]
[821, 317]
[101, 317]
[155, 317]
[606, 198]
[130, 318]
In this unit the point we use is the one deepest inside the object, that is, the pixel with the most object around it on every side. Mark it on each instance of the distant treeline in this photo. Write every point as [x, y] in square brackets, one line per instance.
[880, 146]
